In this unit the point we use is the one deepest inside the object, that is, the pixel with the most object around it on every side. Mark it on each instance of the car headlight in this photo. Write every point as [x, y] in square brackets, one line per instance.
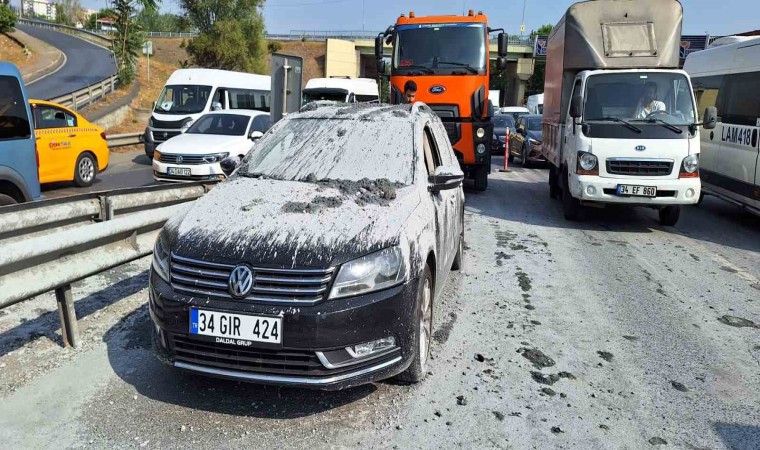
[214, 157]
[691, 163]
[156, 155]
[161, 258]
[379, 270]
[534, 142]
[480, 132]
[150, 122]
[186, 124]
[587, 161]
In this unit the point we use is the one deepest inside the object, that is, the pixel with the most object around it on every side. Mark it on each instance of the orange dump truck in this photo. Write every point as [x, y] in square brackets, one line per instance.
[448, 59]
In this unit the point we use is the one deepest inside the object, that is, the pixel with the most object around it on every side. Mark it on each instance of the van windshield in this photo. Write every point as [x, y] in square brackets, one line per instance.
[335, 95]
[14, 118]
[183, 99]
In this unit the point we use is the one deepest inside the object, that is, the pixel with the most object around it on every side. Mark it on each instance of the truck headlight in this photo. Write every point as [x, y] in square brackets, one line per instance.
[186, 124]
[161, 258]
[587, 161]
[691, 163]
[214, 157]
[481, 148]
[480, 132]
[376, 271]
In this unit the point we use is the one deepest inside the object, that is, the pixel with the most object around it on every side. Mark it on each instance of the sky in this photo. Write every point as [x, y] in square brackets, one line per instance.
[700, 16]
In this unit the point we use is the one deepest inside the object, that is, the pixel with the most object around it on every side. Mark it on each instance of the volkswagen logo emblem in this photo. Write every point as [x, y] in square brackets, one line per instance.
[437, 89]
[640, 148]
[241, 281]
[179, 159]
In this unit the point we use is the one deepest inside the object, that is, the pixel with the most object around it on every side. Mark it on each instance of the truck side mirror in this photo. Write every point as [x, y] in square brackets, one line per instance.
[503, 43]
[501, 63]
[379, 47]
[575, 106]
[381, 66]
[710, 118]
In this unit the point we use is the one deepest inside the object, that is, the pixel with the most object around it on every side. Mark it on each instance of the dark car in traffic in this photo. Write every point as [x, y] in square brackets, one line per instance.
[319, 261]
[526, 141]
[503, 125]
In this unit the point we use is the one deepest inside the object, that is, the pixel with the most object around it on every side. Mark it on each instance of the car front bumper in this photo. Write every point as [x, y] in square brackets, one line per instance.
[590, 188]
[200, 172]
[309, 333]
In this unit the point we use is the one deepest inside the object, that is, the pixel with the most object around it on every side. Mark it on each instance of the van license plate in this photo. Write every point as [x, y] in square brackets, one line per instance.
[236, 327]
[636, 191]
[182, 171]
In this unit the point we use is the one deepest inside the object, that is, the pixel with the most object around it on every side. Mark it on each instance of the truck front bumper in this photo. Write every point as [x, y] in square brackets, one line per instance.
[590, 188]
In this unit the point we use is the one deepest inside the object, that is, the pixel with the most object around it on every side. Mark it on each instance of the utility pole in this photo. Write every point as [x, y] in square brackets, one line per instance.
[522, 25]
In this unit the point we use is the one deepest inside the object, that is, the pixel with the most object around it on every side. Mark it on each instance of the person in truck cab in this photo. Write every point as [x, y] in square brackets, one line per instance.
[410, 92]
[648, 102]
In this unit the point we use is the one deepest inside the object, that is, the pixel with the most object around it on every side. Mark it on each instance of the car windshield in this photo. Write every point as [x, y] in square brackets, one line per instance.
[443, 48]
[641, 97]
[331, 95]
[183, 99]
[222, 124]
[534, 124]
[503, 121]
[298, 149]
[14, 120]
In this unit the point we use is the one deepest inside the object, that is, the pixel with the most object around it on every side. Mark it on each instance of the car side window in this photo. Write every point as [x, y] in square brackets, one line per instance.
[442, 141]
[52, 117]
[432, 158]
[259, 123]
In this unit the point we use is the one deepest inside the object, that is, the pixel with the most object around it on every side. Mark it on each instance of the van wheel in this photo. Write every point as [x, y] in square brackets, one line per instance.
[669, 215]
[85, 170]
[571, 207]
[481, 178]
[554, 190]
[6, 200]
[423, 330]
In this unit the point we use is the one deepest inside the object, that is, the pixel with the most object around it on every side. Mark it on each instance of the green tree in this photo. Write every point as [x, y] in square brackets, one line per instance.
[92, 21]
[128, 37]
[152, 20]
[231, 34]
[7, 19]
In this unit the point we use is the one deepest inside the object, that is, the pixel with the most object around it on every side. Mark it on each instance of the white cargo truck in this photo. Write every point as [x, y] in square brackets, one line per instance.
[619, 120]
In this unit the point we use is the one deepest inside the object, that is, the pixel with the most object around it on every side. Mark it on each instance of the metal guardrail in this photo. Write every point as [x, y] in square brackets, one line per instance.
[122, 140]
[49, 245]
[88, 95]
[79, 32]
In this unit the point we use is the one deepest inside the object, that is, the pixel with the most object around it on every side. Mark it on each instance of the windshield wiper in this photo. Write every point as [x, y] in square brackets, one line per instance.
[458, 64]
[424, 69]
[615, 119]
[667, 125]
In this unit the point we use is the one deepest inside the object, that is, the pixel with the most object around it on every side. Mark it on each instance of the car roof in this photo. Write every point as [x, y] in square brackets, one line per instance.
[9, 69]
[513, 109]
[57, 105]
[372, 112]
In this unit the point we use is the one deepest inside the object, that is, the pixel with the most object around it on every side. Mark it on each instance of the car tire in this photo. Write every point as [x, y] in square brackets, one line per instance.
[554, 190]
[85, 170]
[481, 178]
[524, 157]
[459, 257]
[669, 215]
[701, 198]
[7, 200]
[423, 330]
[571, 207]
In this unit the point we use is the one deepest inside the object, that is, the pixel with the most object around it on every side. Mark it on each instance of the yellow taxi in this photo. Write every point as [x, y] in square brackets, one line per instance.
[70, 147]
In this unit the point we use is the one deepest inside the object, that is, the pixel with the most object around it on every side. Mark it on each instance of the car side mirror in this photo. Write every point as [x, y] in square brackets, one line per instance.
[445, 178]
[229, 164]
[503, 44]
[710, 118]
[575, 106]
[216, 106]
[256, 135]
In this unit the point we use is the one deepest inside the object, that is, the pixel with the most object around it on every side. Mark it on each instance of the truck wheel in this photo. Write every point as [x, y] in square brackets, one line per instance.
[423, 328]
[6, 200]
[524, 157]
[669, 215]
[481, 178]
[571, 207]
[85, 170]
[554, 190]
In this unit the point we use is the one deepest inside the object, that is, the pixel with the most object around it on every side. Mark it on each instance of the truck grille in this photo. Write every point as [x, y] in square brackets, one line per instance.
[641, 167]
[282, 286]
[191, 160]
[453, 129]
[164, 135]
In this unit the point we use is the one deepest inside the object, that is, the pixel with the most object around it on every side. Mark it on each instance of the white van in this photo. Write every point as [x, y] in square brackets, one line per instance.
[189, 93]
[535, 104]
[728, 77]
[344, 90]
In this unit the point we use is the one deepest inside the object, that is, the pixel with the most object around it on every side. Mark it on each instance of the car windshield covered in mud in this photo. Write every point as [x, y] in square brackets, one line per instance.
[325, 249]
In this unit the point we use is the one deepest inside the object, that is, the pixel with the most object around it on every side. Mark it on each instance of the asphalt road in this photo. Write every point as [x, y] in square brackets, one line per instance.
[85, 64]
[610, 333]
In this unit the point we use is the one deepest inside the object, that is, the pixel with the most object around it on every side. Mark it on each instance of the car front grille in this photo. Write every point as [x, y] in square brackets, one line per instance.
[188, 160]
[281, 286]
[641, 167]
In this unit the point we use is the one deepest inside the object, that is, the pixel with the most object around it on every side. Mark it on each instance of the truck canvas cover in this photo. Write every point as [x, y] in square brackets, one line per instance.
[609, 34]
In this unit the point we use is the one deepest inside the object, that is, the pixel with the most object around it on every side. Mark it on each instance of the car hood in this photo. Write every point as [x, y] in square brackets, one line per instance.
[536, 135]
[203, 144]
[289, 224]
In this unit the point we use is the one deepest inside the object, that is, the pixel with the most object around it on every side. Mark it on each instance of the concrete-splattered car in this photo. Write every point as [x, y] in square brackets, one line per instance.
[319, 261]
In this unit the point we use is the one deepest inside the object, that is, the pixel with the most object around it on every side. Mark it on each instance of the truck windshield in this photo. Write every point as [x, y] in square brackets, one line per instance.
[445, 48]
[642, 97]
[183, 99]
[323, 94]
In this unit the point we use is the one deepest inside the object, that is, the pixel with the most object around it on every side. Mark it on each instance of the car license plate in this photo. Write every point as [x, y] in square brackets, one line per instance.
[182, 171]
[636, 191]
[236, 327]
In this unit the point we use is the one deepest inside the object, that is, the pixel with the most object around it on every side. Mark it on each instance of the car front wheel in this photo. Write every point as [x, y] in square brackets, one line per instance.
[423, 330]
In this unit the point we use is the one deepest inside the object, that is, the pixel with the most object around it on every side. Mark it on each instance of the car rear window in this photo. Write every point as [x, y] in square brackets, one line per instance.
[14, 118]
